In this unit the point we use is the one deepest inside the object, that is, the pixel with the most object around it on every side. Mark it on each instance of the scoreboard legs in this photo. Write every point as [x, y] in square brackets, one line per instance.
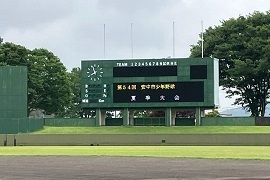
[125, 117]
[100, 117]
[168, 117]
[128, 117]
[131, 117]
[198, 117]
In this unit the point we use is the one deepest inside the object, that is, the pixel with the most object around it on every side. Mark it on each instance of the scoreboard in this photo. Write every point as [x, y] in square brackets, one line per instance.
[142, 83]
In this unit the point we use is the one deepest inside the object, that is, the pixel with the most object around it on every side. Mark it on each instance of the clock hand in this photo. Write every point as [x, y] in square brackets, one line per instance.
[94, 70]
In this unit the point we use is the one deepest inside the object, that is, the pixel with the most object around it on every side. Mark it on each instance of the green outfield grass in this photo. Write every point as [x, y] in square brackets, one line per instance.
[216, 152]
[154, 130]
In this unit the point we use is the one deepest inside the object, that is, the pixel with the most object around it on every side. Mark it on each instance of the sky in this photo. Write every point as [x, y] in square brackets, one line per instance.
[74, 29]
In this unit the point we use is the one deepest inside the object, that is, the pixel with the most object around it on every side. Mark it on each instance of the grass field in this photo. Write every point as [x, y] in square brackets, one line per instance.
[216, 152]
[154, 130]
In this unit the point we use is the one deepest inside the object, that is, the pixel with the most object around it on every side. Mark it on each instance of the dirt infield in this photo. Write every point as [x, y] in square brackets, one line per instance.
[70, 167]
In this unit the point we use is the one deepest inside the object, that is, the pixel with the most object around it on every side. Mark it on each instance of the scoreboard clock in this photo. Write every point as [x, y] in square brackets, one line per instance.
[177, 82]
[95, 72]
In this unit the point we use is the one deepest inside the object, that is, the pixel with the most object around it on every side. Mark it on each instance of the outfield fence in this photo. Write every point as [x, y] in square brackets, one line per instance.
[24, 125]
[228, 121]
[20, 125]
[154, 121]
[70, 122]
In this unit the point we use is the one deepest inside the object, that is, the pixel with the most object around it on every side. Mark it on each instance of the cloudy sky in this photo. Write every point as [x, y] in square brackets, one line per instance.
[74, 29]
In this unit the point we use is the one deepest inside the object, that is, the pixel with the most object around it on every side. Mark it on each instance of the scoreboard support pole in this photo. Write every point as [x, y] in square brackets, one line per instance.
[168, 115]
[103, 117]
[131, 117]
[173, 117]
[100, 117]
[125, 117]
[198, 116]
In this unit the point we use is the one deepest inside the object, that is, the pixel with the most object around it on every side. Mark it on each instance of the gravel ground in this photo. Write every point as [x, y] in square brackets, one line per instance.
[128, 168]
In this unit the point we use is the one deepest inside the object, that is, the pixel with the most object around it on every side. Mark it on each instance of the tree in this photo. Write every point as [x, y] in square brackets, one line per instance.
[242, 45]
[48, 82]
[74, 109]
[13, 55]
[213, 113]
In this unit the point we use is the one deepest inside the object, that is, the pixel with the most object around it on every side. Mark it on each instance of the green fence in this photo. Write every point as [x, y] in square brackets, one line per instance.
[19, 125]
[228, 121]
[70, 122]
[154, 121]
[114, 122]
[88, 122]
[184, 121]
[262, 121]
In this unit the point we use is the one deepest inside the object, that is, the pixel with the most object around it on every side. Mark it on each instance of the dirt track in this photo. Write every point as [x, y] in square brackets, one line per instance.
[65, 167]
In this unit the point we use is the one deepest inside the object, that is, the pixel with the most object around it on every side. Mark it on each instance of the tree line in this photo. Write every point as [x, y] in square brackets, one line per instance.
[50, 87]
[241, 44]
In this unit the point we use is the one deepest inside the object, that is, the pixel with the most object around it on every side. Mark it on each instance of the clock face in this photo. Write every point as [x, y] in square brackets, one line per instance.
[94, 72]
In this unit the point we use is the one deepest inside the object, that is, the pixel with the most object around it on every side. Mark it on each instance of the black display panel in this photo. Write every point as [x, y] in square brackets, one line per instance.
[145, 92]
[198, 72]
[149, 71]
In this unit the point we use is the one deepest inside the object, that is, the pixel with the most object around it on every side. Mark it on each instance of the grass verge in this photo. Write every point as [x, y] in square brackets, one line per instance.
[213, 152]
[154, 130]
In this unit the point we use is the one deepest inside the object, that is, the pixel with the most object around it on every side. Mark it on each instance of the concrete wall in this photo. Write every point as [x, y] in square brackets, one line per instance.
[136, 139]
[2, 139]
[228, 121]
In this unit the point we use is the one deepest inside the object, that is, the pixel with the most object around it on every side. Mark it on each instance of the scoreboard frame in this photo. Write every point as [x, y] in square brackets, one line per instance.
[150, 83]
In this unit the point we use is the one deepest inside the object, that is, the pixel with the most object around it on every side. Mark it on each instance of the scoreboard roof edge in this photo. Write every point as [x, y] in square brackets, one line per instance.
[156, 59]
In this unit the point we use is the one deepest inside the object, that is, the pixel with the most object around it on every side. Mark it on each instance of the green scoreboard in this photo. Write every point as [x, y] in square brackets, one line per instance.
[150, 83]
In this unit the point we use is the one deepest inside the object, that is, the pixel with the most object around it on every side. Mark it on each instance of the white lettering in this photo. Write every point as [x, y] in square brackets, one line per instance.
[121, 64]
[147, 63]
